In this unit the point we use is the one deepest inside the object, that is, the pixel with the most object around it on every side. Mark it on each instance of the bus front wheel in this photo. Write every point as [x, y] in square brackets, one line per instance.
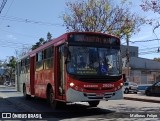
[51, 99]
[93, 103]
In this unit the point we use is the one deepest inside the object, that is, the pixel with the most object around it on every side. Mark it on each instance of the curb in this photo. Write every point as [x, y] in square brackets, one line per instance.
[140, 99]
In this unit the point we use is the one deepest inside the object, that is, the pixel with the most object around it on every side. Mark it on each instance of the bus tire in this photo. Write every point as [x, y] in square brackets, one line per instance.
[51, 100]
[93, 103]
[25, 95]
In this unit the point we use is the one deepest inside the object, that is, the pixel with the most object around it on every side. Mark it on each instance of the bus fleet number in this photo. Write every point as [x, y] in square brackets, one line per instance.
[108, 85]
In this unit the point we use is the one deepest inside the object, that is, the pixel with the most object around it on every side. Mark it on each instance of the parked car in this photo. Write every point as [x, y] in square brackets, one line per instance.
[142, 87]
[130, 87]
[153, 90]
[6, 83]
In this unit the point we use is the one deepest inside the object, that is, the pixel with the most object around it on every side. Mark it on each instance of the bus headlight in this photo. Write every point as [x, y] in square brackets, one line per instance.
[71, 84]
[121, 84]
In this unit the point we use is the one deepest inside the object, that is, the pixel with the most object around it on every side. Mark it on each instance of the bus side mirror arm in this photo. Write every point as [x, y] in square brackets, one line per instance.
[65, 51]
[124, 77]
[67, 54]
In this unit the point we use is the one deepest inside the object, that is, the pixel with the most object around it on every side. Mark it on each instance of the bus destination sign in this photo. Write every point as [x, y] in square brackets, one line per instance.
[94, 39]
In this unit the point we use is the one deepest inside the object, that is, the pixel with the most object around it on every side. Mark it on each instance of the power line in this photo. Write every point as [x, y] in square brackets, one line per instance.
[16, 19]
[11, 42]
[149, 52]
[149, 48]
[2, 5]
[7, 10]
[13, 46]
[144, 40]
[21, 34]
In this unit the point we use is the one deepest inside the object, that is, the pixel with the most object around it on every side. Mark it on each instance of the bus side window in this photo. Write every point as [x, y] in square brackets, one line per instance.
[18, 68]
[48, 58]
[27, 63]
[22, 66]
[39, 61]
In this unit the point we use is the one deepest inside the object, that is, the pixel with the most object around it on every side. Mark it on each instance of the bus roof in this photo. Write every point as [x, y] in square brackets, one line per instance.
[59, 39]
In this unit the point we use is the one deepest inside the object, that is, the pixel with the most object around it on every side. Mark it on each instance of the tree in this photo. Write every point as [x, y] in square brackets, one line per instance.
[157, 59]
[101, 16]
[42, 41]
[38, 44]
[152, 5]
[49, 36]
[10, 70]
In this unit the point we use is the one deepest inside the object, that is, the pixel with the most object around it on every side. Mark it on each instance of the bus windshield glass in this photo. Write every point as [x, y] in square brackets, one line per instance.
[94, 61]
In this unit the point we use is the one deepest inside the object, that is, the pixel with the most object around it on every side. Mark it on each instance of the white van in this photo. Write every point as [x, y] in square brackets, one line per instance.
[130, 87]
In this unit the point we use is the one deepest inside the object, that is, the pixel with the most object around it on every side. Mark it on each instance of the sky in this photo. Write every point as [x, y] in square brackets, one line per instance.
[23, 22]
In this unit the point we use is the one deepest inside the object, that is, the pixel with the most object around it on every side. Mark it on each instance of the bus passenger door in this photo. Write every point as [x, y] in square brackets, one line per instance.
[60, 75]
[32, 75]
[18, 73]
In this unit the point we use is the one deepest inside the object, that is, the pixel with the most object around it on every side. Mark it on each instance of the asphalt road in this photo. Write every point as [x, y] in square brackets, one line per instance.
[119, 110]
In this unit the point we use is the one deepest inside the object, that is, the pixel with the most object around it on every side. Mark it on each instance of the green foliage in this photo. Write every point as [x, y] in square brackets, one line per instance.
[42, 41]
[157, 59]
[49, 36]
[101, 16]
[38, 44]
[12, 62]
[10, 68]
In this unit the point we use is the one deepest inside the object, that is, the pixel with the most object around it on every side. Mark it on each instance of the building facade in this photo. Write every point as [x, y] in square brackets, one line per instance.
[141, 70]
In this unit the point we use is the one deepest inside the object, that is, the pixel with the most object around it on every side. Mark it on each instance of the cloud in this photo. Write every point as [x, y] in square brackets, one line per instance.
[12, 37]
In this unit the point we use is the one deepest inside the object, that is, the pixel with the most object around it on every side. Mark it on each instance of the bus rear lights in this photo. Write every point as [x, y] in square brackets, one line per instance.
[71, 84]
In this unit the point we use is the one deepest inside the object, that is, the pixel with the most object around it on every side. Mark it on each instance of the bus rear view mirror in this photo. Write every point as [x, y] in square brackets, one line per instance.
[67, 54]
[65, 51]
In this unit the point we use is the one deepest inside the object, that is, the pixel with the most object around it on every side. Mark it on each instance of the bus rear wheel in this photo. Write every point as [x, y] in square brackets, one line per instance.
[26, 96]
[93, 103]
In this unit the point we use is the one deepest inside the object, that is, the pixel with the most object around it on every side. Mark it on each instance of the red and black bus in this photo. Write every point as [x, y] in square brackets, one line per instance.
[75, 67]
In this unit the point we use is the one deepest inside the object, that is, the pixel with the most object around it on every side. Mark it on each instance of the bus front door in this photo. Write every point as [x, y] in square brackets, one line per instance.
[60, 75]
[32, 76]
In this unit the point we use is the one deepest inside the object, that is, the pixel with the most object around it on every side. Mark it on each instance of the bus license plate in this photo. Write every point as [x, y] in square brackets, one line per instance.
[99, 95]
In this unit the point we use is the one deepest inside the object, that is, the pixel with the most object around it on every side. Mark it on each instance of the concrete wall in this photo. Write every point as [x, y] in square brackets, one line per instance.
[143, 71]
[142, 63]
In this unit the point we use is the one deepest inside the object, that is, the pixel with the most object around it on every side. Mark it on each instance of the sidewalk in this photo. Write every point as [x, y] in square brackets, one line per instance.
[4, 88]
[141, 97]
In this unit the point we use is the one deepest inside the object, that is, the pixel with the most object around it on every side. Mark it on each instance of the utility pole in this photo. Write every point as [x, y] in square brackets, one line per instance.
[128, 56]
[128, 23]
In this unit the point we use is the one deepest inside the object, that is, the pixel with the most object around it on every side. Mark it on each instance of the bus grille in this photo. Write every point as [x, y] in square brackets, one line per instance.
[95, 96]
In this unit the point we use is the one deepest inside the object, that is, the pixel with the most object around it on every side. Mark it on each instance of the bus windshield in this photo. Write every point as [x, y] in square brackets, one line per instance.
[94, 61]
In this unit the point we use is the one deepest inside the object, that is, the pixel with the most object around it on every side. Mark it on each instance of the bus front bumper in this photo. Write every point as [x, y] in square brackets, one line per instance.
[76, 96]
